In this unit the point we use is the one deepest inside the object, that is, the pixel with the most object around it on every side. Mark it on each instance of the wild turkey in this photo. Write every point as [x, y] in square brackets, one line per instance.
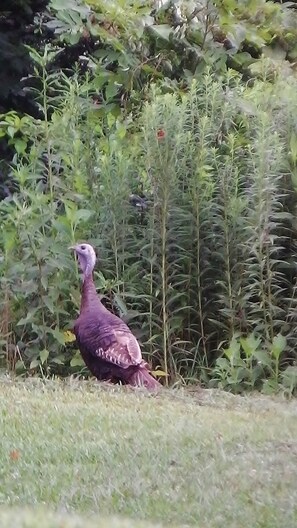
[108, 347]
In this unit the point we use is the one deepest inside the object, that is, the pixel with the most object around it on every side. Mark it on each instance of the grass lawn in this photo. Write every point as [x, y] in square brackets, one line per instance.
[77, 454]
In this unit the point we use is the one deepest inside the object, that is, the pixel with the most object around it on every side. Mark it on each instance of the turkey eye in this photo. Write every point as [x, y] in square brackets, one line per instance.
[83, 247]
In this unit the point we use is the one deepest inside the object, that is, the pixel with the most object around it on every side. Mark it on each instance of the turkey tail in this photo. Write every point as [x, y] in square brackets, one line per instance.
[142, 378]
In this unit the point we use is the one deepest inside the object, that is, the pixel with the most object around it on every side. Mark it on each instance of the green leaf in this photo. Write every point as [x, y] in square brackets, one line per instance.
[69, 5]
[49, 304]
[11, 131]
[19, 365]
[163, 31]
[29, 317]
[275, 52]
[34, 363]
[58, 335]
[43, 355]
[121, 131]
[83, 215]
[289, 377]
[293, 147]
[233, 351]
[250, 344]
[111, 90]
[20, 145]
[270, 386]
[77, 360]
[120, 304]
[279, 344]
[237, 35]
[59, 360]
[262, 357]
[223, 363]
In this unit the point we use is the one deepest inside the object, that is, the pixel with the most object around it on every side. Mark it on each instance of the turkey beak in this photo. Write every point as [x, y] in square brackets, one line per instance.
[73, 248]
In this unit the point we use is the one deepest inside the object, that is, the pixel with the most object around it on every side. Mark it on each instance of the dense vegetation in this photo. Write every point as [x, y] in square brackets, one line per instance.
[190, 106]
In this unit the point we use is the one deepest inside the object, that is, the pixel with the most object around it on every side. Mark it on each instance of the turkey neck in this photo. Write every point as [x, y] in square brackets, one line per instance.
[89, 297]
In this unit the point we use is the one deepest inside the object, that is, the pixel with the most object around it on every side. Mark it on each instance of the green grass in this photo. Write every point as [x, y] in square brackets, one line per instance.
[77, 454]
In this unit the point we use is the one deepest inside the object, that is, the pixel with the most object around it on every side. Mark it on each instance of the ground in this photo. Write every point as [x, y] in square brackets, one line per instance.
[80, 454]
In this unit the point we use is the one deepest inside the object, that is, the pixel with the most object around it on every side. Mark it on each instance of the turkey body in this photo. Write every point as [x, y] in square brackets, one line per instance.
[96, 333]
[107, 345]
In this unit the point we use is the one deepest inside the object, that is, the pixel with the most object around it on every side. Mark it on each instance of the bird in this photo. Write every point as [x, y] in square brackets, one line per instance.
[107, 345]
[140, 202]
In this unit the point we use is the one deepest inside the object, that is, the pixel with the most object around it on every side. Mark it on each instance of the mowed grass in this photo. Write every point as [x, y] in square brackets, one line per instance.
[78, 454]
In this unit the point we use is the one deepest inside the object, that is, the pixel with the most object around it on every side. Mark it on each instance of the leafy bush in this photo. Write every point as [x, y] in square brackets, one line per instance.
[245, 365]
[125, 46]
[215, 163]
[210, 256]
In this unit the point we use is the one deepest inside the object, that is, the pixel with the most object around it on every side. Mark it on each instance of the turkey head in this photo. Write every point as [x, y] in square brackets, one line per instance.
[86, 258]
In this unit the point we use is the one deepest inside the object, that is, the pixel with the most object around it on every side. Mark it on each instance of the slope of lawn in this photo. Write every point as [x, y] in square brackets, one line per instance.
[77, 454]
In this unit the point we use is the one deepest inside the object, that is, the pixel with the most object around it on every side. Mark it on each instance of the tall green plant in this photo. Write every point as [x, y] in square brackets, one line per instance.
[204, 261]
[38, 224]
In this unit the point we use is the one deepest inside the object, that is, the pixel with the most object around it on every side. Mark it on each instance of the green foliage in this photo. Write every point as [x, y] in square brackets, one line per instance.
[38, 223]
[178, 39]
[132, 43]
[247, 365]
[127, 45]
[207, 258]
[212, 256]
[16, 130]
